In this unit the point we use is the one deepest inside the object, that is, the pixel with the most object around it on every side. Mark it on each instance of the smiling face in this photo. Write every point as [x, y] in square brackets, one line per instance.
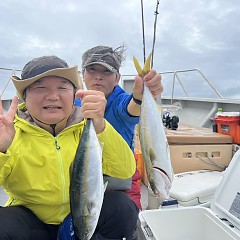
[50, 99]
[98, 77]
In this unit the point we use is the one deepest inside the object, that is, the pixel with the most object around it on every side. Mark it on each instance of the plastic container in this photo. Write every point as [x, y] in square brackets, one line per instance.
[221, 221]
[228, 123]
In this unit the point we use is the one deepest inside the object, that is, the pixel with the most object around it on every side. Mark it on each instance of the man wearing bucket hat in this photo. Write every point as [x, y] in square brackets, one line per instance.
[38, 142]
[100, 69]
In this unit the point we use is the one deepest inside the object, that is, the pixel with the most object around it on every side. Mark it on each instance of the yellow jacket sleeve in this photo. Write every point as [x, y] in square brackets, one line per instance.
[118, 158]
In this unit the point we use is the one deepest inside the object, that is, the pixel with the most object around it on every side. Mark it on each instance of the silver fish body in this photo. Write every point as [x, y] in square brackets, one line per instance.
[86, 184]
[154, 146]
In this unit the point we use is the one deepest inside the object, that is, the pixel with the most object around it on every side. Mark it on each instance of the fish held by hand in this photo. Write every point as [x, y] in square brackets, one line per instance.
[86, 184]
[153, 141]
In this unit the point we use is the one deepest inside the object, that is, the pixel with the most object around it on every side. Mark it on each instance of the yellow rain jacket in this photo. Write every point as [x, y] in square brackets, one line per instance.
[35, 169]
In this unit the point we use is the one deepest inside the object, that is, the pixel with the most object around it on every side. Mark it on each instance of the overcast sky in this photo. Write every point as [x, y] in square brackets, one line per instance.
[190, 34]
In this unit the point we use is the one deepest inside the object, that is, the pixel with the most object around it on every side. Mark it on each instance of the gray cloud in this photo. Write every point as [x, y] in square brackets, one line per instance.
[190, 34]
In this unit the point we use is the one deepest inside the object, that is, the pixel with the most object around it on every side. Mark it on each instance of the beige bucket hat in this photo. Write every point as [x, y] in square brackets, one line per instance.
[42, 67]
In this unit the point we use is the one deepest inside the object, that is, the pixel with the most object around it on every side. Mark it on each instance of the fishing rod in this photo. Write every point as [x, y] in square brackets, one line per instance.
[144, 48]
[154, 32]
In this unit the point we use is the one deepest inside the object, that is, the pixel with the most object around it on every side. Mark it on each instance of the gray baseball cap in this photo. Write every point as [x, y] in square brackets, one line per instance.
[105, 56]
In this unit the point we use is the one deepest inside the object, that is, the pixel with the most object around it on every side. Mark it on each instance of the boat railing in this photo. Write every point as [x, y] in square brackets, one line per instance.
[176, 76]
[13, 72]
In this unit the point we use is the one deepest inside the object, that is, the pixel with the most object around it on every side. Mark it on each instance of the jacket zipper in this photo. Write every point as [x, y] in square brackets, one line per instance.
[62, 173]
[56, 144]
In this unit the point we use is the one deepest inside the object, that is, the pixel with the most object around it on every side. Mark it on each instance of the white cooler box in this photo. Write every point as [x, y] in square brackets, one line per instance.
[191, 188]
[219, 222]
[196, 187]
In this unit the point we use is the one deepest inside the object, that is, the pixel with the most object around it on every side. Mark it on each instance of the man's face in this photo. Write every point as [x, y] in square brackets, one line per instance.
[97, 77]
[50, 99]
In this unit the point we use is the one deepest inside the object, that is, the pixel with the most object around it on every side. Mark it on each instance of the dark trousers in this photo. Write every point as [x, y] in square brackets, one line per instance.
[118, 219]
[19, 223]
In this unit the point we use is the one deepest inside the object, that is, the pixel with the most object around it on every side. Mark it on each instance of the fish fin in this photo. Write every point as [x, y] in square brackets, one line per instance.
[136, 137]
[89, 208]
[105, 186]
[101, 144]
[70, 169]
[138, 67]
[152, 155]
[159, 108]
[137, 130]
[147, 65]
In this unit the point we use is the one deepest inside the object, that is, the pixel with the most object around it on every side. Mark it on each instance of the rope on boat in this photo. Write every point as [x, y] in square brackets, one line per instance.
[212, 162]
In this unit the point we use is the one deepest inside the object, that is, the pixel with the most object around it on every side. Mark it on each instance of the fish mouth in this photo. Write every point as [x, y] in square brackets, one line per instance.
[161, 170]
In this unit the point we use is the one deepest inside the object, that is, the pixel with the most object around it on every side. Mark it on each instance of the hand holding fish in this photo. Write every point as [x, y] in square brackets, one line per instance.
[7, 129]
[152, 80]
[93, 106]
[148, 76]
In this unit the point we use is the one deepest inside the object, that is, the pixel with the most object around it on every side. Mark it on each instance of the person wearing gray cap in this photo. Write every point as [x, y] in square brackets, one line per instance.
[101, 71]
[38, 142]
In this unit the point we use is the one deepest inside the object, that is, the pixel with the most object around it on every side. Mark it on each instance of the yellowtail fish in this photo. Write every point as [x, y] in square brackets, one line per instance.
[86, 184]
[153, 141]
